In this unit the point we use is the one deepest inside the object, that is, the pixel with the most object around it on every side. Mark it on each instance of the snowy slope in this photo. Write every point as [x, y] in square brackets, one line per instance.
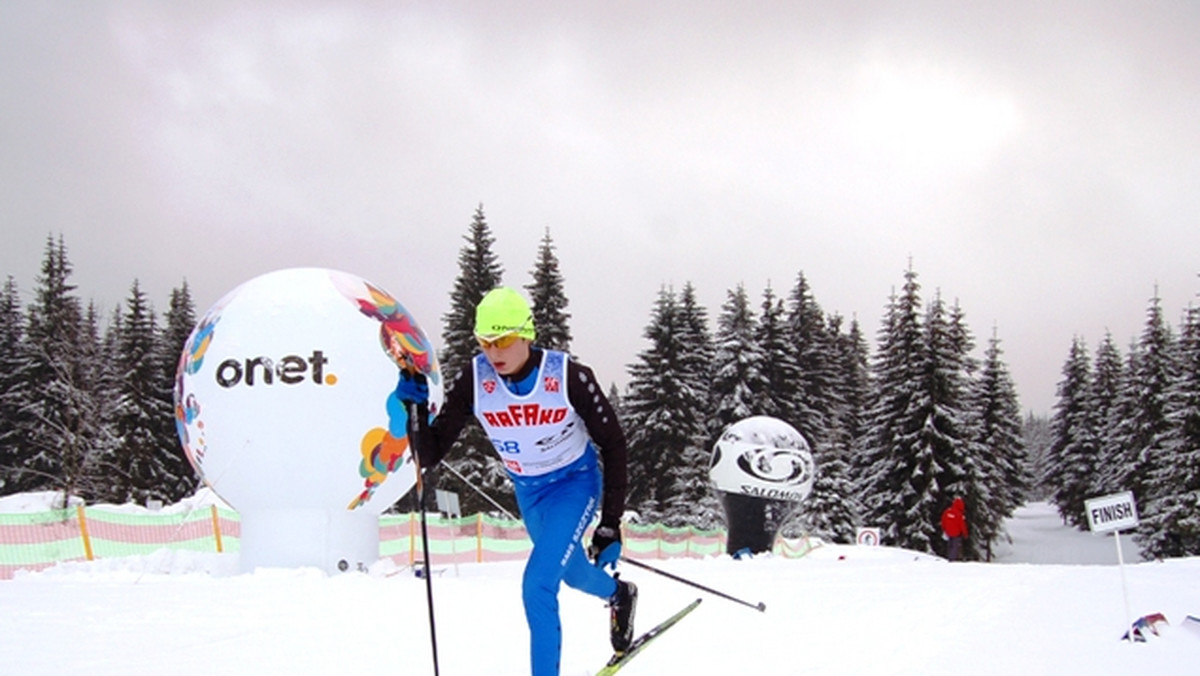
[841, 610]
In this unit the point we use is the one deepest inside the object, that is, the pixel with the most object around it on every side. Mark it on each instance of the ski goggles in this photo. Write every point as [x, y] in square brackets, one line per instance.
[501, 342]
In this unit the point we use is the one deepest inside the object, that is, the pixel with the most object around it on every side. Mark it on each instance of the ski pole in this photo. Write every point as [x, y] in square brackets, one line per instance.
[478, 490]
[760, 606]
[412, 431]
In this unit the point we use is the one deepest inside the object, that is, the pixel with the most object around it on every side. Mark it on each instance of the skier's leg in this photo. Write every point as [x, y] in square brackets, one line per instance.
[556, 516]
[580, 573]
[954, 548]
[539, 591]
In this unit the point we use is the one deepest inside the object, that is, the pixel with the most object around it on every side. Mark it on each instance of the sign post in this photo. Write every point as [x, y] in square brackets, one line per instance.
[447, 503]
[1112, 513]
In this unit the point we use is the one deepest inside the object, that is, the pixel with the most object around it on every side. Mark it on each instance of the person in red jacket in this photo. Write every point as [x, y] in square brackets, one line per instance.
[954, 528]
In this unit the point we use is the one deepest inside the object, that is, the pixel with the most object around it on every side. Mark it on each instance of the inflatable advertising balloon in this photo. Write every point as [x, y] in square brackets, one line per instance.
[282, 407]
[762, 469]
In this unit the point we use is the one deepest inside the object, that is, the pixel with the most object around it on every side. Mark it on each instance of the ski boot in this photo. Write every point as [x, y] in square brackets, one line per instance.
[621, 609]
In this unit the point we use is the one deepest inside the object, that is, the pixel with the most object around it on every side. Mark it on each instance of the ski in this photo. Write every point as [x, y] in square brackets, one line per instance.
[614, 665]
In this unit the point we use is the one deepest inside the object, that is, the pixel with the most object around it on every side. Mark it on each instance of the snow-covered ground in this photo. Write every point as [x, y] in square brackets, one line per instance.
[1055, 606]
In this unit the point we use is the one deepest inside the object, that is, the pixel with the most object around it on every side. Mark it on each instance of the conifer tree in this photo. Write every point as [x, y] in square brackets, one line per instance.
[1144, 445]
[1073, 450]
[778, 367]
[60, 422]
[1107, 383]
[696, 354]
[690, 501]
[1035, 430]
[946, 460]
[617, 402]
[180, 477]
[1115, 431]
[549, 300]
[1170, 525]
[139, 457]
[479, 271]
[472, 455]
[832, 510]
[814, 396]
[854, 384]
[103, 374]
[737, 378]
[886, 465]
[14, 391]
[1002, 448]
[653, 406]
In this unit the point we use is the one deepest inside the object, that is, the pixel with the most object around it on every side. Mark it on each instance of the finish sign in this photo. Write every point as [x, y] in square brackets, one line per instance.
[1111, 512]
[1114, 513]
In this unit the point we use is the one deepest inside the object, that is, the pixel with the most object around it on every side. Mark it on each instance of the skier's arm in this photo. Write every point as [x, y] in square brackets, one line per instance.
[588, 400]
[435, 437]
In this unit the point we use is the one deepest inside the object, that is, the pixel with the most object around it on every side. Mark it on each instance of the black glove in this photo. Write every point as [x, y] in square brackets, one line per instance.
[605, 549]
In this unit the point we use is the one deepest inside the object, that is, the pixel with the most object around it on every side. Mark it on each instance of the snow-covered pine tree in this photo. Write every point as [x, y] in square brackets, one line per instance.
[1072, 457]
[102, 372]
[778, 367]
[479, 271]
[854, 365]
[1035, 430]
[59, 423]
[653, 406]
[14, 390]
[1003, 455]
[690, 500]
[814, 396]
[180, 478]
[831, 511]
[549, 299]
[885, 464]
[473, 455]
[1107, 382]
[947, 459]
[1115, 432]
[737, 380]
[617, 402]
[1144, 447]
[1170, 523]
[139, 458]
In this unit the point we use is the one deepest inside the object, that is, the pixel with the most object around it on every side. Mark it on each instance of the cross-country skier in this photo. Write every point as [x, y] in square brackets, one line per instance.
[550, 423]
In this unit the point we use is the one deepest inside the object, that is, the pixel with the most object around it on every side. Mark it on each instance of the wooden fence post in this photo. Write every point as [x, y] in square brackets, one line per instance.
[83, 532]
[412, 540]
[478, 537]
[216, 523]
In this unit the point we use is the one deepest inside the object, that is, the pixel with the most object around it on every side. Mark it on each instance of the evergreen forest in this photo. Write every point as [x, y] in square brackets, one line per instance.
[898, 427]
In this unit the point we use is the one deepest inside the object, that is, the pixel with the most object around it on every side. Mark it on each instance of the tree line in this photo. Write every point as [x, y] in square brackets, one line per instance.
[85, 410]
[1132, 423]
[895, 435]
[897, 430]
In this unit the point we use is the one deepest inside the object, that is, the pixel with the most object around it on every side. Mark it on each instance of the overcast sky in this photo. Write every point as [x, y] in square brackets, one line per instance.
[1038, 161]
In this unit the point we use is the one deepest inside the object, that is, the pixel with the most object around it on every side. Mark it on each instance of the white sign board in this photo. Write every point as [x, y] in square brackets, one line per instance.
[447, 502]
[1111, 512]
[868, 537]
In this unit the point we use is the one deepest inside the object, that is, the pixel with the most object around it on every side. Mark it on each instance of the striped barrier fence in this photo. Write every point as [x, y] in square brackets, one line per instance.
[38, 540]
[35, 541]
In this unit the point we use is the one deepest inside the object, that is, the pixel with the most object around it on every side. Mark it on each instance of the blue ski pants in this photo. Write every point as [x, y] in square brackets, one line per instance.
[556, 514]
